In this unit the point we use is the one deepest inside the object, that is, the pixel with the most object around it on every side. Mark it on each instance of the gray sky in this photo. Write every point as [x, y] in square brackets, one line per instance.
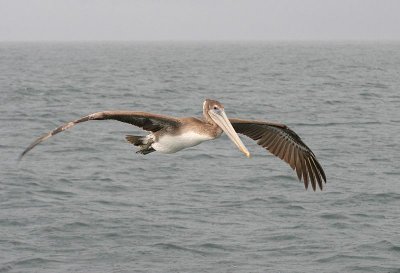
[199, 20]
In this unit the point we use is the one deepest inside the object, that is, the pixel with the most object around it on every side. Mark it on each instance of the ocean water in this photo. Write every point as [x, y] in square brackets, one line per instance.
[83, 201]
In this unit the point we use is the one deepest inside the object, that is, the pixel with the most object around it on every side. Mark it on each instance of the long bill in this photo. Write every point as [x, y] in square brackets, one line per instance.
[222, 121]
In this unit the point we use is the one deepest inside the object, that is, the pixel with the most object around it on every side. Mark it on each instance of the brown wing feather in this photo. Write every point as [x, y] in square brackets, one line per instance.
[284, 143]
[147, 121]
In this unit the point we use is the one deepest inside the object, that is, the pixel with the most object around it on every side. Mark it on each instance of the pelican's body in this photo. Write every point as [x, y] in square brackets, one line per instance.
[169, 144]
[170, 135]
[192, 132]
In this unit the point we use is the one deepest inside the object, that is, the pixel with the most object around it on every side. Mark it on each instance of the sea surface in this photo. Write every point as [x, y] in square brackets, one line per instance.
[84, 201]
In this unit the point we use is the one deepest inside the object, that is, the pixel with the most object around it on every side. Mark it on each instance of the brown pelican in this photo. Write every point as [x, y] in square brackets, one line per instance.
[170, 135]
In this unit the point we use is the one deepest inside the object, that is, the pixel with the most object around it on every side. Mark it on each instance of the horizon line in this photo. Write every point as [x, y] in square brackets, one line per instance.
[200, 40]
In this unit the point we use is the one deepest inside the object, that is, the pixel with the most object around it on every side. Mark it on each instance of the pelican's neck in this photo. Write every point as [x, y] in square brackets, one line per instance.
[206, 115]
[213, 128]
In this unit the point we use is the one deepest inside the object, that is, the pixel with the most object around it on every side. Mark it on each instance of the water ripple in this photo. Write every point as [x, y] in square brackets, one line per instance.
[170, 246]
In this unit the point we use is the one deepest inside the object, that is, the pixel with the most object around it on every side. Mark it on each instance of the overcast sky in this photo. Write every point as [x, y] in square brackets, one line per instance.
[199, 20]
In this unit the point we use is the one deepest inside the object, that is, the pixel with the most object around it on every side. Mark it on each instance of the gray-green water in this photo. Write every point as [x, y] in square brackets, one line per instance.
[83, 201]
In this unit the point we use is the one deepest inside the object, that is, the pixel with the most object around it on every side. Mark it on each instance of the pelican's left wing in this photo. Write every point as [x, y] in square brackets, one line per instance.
[147, 121]
[284, 143]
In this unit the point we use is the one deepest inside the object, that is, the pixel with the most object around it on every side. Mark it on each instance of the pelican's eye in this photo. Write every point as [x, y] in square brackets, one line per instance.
[215, 107]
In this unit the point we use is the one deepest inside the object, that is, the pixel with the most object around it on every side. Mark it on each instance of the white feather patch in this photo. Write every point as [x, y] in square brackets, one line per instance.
[171, 144]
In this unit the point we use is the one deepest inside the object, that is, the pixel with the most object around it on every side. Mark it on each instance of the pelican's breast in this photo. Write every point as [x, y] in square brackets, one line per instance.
[173, 143]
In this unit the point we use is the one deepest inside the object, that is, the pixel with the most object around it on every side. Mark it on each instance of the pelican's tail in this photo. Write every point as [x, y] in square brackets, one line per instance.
[143, 142]
[136, 140]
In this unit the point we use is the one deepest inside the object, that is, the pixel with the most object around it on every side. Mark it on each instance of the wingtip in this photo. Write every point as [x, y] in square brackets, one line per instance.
[20, 157]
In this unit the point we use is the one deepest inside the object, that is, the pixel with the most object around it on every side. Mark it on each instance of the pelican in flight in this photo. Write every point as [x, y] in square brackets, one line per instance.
[170, 135]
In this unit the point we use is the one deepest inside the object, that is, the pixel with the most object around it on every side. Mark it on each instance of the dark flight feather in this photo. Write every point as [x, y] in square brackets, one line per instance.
[284, 143]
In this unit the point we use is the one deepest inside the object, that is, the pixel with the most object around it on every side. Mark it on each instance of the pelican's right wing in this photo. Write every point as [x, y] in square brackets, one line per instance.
[284, 143]
[147, 121]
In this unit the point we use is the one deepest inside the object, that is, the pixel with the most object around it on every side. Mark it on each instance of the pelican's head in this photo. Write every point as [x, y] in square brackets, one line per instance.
[214, 111]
